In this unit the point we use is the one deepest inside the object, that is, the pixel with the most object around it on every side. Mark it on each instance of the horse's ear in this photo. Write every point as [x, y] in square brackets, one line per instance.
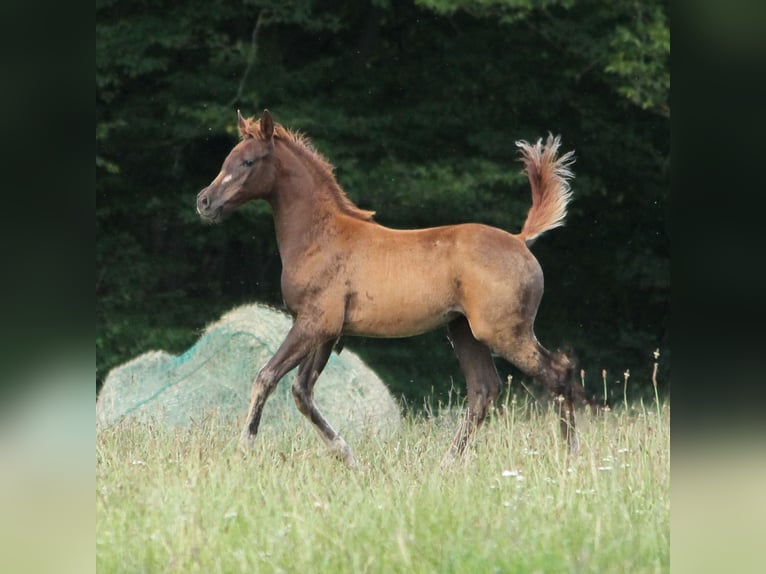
[267, 125]
[242, 125]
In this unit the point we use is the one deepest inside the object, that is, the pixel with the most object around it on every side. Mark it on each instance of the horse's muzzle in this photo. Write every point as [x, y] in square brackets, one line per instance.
[204, 208]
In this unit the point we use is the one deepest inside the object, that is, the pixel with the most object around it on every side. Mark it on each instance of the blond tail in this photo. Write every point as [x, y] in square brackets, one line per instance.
[548, 177]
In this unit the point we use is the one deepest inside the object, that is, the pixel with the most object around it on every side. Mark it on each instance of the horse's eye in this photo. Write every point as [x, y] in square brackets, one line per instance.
[248, 162]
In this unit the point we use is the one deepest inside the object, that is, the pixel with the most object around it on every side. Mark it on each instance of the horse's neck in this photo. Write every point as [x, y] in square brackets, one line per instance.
[300, 206]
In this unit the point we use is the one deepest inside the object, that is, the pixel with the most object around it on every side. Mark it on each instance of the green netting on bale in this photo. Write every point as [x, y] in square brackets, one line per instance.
[212, 380]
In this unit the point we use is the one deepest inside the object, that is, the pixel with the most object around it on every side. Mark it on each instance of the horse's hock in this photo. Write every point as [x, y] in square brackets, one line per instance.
[212, 381]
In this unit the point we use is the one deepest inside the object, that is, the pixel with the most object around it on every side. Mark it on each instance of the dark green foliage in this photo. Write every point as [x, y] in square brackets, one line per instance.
[418, 107]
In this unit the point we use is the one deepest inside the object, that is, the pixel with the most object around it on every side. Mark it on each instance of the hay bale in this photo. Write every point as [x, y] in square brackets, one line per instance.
[212, 380]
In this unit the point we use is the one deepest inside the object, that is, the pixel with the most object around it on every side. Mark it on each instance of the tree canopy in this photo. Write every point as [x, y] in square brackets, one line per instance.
[418, 105]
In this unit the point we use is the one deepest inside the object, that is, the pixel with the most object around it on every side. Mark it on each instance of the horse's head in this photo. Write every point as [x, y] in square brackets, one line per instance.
[248, 172]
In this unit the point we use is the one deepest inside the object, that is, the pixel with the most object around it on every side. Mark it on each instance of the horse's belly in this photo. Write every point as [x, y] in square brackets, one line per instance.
[398, 315]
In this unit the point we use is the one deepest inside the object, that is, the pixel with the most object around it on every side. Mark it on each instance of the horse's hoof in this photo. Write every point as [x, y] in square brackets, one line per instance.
[343, 452]
[449, 458]
[246, 442]
[574, 448]
[349, 460]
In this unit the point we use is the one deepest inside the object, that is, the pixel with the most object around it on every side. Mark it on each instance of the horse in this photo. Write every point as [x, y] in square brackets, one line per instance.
[345, 274]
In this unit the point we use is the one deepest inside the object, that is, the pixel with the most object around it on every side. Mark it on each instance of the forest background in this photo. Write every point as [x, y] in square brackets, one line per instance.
[418, 105]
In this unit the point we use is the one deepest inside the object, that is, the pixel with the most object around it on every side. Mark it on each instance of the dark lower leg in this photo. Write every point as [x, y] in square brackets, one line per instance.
[303, 393]
[567, 423]
[264, 385]
[556, 372]
[294, 348]
[482, 382]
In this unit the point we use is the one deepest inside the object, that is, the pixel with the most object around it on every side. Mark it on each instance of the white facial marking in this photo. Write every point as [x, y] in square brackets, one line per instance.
[226, 179]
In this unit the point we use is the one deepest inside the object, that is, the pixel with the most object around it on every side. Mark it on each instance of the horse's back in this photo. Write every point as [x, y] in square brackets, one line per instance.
[446, 254]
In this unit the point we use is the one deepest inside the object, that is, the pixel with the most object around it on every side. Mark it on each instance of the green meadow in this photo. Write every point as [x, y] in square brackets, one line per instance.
[190, 501]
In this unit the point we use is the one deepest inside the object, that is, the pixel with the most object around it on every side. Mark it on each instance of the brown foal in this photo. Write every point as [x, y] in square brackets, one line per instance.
[344, 274]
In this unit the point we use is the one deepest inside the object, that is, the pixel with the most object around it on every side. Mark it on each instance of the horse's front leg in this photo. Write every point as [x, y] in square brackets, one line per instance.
[303, 393]
[298, 344]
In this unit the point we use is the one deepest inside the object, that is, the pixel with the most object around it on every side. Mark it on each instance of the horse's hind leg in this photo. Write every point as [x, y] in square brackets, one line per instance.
[482, 382]
[303, 393]
[554, 370]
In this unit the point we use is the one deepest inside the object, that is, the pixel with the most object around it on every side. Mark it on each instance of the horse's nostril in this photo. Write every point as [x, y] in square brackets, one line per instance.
[204, 201]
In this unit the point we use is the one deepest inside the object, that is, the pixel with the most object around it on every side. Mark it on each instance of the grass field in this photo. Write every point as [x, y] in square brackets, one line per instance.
[189, 501]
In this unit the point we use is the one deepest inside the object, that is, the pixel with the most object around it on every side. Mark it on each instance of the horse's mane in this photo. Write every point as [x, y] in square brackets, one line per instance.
[302, 145]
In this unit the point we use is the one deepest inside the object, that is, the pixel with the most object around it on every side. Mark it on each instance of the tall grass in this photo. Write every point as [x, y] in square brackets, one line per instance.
[189, 501]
